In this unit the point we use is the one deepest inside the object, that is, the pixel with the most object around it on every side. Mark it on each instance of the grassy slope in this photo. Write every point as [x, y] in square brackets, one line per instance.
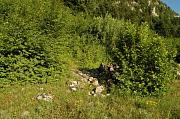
[15, 100]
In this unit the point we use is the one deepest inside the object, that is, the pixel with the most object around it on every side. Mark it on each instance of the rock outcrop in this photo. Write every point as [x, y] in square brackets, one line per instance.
[93, 79]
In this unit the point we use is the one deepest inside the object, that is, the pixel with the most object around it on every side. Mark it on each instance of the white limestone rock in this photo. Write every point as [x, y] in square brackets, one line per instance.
[74, 85]
[99, 90]
[178, 74]
[45, 97]
[154, 12]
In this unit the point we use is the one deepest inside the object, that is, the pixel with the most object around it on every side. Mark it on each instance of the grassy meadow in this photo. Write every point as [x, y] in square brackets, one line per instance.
[16, 100]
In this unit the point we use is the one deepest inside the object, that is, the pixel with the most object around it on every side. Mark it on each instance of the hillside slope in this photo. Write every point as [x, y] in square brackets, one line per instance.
[160, 17]
[50, 53]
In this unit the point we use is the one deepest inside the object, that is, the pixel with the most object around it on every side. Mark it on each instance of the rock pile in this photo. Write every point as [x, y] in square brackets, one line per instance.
[93, 81]
[97, 91]
[87, 78]
[178, 72]
[45, 97]
[74, 85]
[92, 78]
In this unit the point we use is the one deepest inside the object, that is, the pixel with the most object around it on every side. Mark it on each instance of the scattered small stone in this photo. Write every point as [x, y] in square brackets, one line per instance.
[74, 85]
[178, 74]
[45, 97]
[74, 89]
[80, 73]
[99, 90]
[25, 114]
[91, 79]
[84, 79]
[96, 83]
[107, 94]
[92, 93]
[111, 69]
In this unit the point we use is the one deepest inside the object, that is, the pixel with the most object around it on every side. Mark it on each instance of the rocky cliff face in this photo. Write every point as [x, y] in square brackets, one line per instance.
[149, 7]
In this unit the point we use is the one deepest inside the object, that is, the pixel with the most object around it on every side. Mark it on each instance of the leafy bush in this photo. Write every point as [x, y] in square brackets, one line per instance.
[82, 5]
[24, 52]
[145, 60]
[35, 46]
[23, 55]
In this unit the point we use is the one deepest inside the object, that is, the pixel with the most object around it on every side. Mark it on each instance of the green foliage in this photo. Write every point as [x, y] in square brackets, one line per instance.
[82, 5]
[146, 62]
[140, 11]
[39, 39]
[23, 55]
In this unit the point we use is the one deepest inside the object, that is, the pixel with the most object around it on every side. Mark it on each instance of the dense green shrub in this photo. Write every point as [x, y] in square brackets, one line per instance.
[24, 52]
[146, 62]
[88, 6]
[23, 55]
[39, 39]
